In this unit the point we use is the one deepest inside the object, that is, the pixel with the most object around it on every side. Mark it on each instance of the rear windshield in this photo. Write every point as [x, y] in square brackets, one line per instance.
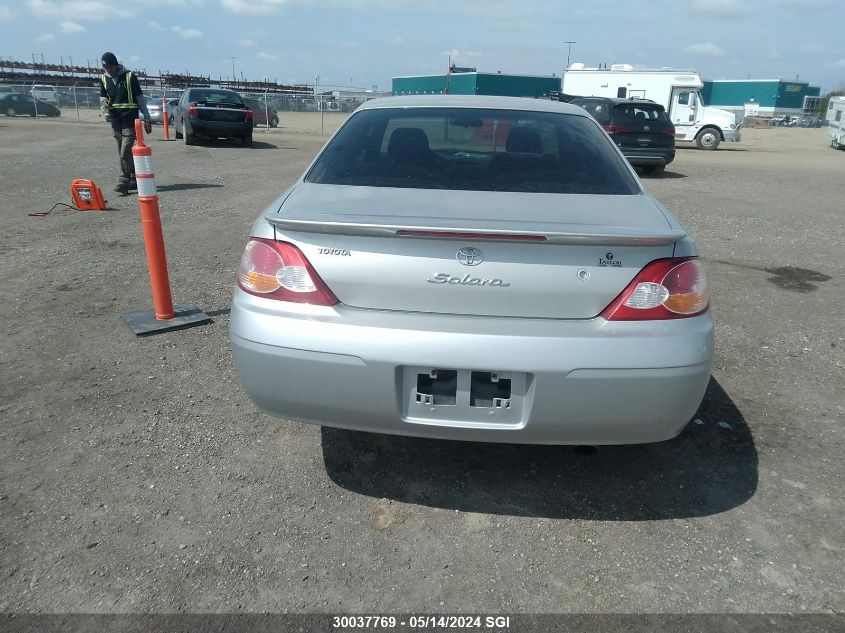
[639, 112]
[475, 150]
[215, 96]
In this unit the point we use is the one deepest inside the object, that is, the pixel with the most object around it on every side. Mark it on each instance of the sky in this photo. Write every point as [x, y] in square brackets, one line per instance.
[364, 43]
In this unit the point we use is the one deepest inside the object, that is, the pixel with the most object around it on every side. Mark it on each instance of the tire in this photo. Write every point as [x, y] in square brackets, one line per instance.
[189, 137]
[177, 133]
[274, 122]
[10, 112]
[170, 121]
[246, 141]
[708, 139]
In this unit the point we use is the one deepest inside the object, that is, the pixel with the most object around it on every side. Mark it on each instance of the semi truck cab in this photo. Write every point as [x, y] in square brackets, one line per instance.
[701, 124]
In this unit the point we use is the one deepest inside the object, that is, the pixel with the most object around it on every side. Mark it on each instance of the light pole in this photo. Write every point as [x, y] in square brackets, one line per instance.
[319, 103]
[234, 78]
[266, 107]
[569, 52]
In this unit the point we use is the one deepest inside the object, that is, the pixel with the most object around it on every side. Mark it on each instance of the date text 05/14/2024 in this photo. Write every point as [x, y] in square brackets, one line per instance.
[364, 622]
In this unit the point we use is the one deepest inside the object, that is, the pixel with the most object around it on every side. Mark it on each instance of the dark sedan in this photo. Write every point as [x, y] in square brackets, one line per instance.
[14, 104]
[640, 128]
[213, 113]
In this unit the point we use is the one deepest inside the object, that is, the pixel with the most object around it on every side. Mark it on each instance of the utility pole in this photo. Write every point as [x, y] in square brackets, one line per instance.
[569, 52]
[234, 78]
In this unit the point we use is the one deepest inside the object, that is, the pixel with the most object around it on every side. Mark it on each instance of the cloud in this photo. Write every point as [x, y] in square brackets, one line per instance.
[188, 34]
[47, 37]
[254, 7]
[247, 42]
[465, 54]
[5, 13]
[267, 56]
[800, 5]
[839, 63]
[71, 27]
[155, 25]
[705, 48]
[722, 9]
[78, 9]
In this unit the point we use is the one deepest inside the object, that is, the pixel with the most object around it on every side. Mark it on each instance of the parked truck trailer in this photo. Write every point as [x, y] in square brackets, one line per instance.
[836, 122]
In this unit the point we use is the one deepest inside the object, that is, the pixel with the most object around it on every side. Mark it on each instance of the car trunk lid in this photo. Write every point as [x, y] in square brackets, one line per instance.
[466, 252]
[229, 112]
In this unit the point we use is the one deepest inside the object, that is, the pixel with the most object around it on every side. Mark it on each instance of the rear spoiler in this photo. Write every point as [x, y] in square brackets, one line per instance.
[563, 234]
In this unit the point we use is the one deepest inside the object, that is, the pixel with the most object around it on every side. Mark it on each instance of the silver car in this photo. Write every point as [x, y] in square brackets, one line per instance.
[473, 268]
[154, 106]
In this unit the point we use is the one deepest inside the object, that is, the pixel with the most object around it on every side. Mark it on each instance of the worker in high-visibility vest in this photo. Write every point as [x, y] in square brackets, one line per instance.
[122, 99]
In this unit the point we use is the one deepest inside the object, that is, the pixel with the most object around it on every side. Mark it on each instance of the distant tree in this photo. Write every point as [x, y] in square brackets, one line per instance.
[825, 100]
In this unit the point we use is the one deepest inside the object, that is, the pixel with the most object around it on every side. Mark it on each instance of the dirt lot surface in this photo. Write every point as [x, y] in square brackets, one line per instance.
[136, 476]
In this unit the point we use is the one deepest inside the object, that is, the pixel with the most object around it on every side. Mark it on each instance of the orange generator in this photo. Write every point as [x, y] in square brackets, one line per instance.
[86, 195]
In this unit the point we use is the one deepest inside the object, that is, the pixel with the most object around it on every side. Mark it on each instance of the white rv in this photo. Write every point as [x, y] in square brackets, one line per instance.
[676, 90]
[836, 122]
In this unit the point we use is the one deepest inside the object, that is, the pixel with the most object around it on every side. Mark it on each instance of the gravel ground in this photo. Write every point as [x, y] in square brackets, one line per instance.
[135, 475]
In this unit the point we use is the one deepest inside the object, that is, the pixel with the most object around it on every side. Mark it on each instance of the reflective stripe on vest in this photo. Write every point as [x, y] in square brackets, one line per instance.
[130, 103]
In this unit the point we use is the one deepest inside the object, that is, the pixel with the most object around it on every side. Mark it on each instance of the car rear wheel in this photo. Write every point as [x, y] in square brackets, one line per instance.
[246, 141]
[708, 139]
[274, 122]
[10, 112]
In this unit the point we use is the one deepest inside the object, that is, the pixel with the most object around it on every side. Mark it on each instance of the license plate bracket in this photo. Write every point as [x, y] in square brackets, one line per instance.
[463, 397]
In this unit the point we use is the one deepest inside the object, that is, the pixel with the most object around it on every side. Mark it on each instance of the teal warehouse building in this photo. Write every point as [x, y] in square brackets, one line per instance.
[476, 83]
[770, 97]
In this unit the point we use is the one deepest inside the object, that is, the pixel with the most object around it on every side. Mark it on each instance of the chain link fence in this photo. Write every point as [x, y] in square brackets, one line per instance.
[81, 99]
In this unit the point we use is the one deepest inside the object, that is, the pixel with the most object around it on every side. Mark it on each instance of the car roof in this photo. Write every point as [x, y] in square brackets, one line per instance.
[619, 101]
[211, 88]
[472, 101]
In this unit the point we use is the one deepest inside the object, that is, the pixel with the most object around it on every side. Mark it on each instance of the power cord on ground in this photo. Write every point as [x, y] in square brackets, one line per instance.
[41, 214]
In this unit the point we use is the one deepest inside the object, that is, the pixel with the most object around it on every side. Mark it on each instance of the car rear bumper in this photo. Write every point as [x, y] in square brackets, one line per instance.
[585, 382]
[220, 128]
[649, 156]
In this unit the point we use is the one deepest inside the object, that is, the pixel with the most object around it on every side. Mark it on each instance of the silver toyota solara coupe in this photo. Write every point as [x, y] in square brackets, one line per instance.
[473, 268]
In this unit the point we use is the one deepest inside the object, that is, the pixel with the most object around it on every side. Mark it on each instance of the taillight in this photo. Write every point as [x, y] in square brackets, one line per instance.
[192, 109]
[612, 128]
[665, 289]
[669, 131]
[278, 270]
[249, 114]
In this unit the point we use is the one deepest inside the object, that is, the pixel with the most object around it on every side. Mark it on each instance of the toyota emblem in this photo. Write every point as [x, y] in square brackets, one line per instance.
[470, 256]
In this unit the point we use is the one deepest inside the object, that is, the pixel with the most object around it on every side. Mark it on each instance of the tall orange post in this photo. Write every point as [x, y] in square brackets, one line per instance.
[151, 223]
[165, 316]
[165, 117]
